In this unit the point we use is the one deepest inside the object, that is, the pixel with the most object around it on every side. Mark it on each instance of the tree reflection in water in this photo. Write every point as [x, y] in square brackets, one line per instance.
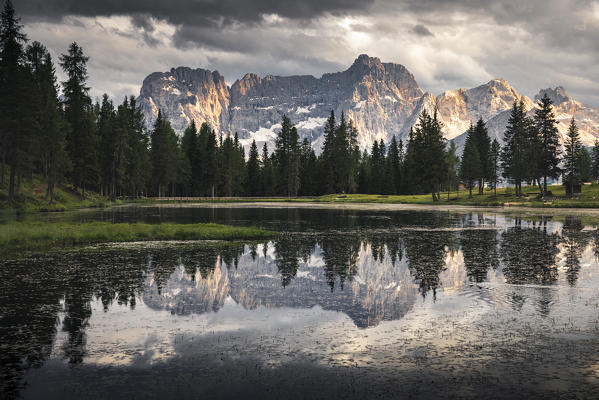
[41, 295]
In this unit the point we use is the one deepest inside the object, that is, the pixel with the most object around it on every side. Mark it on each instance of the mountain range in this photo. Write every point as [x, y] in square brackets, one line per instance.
[383, 99]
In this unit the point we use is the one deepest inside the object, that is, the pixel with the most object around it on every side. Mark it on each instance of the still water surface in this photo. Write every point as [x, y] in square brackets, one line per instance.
[346, 304]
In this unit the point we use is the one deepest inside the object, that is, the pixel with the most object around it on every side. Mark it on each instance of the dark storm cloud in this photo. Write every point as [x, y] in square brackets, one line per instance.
[421, 30]
[190, 11]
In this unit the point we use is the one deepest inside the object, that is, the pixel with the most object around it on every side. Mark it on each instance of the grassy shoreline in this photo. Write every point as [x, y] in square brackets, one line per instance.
[505, 198]
[15, 236]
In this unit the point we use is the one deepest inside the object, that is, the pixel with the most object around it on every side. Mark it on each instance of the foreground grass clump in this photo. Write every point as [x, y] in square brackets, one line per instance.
[40, 235]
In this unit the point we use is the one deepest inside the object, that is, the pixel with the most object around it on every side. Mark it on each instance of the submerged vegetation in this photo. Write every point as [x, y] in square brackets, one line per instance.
[42, 235]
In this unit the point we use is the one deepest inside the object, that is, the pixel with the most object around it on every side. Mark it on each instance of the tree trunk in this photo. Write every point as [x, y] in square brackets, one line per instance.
[481, 185]
[470, 192]
[11, 184]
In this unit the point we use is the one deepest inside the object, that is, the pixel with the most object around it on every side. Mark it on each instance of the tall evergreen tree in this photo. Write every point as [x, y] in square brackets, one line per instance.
[573, 147]
[514, 157]
[267, 178]
[165, 156]
[286, 158]
[483, 145]
[432, 160]
[494, 165]
[546, 126]
[252, 184]
[595, 163]
[191, 150]
[105, 120]
[50, 146]
[138, 160]
[13, 98]
[453, 162]
[393, 167]
[308, 169]
[82, 140]
[470, 167]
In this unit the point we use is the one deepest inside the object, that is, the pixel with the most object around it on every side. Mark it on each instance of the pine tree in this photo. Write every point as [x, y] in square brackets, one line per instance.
[50, 141]
[286, 158]
[595, 162]
[393, 167]
[328, 158]
[453, 162]
[82, 140]
[190, 147]
[138, 159]
[428, 156]
[208, 164]
[515, 160]
[105, 127]
[585, 165]
[470, 167]
[549, 155]
[13, 99]
[483, 145]
[573, 147]
[165, 156]
[495, 165]
[252, 184]
[267, 178]
[308, 169]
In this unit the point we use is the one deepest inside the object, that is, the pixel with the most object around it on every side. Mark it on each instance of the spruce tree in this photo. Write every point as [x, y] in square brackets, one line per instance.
[470, 167]
[549, 155]
[453, 162]
[483, 145]
[105, 118]
[595, 161]
[515, 160]
[328, 159]
[267, 178]
[494, 165]
[252, 184]
[286, 158]
[51, 153]
[138, 160]
[82, 140]
[393, 167]
[428, 156]
[573, 147]
[13, 99]
[308, 169]
[190, 147]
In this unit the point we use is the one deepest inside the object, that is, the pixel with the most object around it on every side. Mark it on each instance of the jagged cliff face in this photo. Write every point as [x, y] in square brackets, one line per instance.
[382, 99]
[565, 107]
[458, 107]
[184, 95]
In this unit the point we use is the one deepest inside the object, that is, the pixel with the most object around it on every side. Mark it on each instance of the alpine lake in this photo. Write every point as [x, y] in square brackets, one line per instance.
[353, 302]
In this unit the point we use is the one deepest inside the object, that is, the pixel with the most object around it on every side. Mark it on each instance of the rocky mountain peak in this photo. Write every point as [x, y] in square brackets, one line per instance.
[558, 95]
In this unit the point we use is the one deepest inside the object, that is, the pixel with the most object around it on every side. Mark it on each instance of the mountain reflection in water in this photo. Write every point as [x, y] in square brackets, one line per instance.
[48, 302]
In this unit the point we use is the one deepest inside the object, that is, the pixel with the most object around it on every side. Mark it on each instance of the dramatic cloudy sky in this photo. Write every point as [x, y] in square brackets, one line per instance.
[445, 44]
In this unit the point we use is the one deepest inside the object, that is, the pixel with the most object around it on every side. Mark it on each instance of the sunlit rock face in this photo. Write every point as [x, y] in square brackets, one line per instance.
[382, 99]
[184, 95]
[566, 108]
[460, 107]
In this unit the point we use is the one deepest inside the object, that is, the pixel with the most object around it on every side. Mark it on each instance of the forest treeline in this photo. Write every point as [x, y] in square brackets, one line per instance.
[106, 148]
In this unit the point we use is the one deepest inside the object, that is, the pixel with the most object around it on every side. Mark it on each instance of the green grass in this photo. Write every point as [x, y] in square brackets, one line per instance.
[505, 197]
[44, 235]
